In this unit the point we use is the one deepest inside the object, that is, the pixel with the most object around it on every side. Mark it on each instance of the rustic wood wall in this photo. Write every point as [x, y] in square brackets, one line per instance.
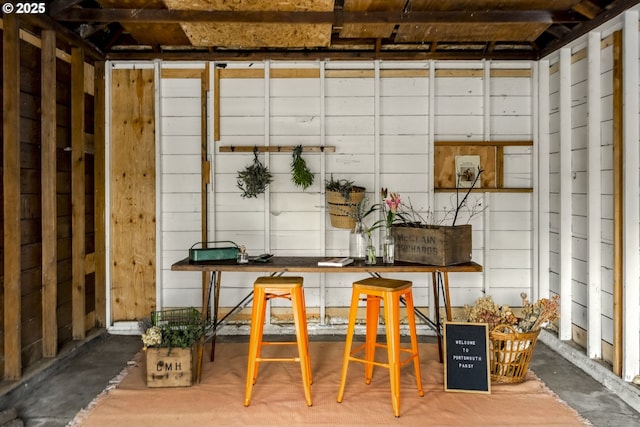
[133, 189]
[36, 252]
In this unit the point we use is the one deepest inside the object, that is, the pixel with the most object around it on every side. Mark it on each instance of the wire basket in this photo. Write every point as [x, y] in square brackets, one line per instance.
[181, 327]
[177, 317]
[510, 353]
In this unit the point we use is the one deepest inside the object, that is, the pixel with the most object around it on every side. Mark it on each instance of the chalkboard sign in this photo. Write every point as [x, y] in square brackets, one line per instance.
[466, 362]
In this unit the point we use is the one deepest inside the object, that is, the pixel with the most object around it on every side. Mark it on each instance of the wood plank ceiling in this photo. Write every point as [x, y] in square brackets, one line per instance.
[328, 29]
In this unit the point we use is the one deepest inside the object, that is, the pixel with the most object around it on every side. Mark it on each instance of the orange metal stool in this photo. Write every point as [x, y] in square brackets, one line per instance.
[264, 289]
[389, 291]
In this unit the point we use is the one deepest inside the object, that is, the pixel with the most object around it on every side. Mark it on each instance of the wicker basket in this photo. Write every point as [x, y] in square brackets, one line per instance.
[341, 211]
[510, 353]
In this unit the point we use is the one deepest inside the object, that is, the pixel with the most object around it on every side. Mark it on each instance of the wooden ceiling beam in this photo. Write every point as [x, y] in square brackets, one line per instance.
[582, 29]
[57, 6]
[45, 23]
[336, 18]
[301, 55]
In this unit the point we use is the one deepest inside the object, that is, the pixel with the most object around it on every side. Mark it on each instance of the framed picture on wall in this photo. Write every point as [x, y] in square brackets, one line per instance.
[466, 171]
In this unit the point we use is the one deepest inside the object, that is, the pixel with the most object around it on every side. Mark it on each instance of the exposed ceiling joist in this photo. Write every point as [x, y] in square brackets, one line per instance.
[164, 16]
[331, 29]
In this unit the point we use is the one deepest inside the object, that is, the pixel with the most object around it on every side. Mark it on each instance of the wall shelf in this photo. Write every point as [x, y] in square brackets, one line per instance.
[491, 161]
[275, 148]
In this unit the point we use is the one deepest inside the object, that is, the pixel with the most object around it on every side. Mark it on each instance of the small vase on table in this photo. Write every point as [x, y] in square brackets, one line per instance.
[370, 258]
[358, 242]
[388, 247]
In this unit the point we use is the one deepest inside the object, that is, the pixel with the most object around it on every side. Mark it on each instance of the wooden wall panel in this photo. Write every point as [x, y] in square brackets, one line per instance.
[77, 193]
[133, 189]
[11, 198]
[49, 215]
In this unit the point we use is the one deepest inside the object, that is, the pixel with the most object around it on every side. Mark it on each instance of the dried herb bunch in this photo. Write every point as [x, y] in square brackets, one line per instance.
[533, 317]
[300, 173]
[255, 178]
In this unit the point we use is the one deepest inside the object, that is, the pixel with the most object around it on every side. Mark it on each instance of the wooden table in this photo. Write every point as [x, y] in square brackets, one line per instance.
[281, 265]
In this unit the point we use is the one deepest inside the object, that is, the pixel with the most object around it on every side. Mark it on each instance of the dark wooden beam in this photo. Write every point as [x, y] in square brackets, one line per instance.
[12, 318]
[578, 31]
[338, 18]
[63, 34]
[49, 213]
[78, 226]
[57, 6]
[356, 55]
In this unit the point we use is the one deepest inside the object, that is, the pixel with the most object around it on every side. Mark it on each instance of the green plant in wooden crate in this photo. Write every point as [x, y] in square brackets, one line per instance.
[178, 328]
[255, 178]
[300, 173]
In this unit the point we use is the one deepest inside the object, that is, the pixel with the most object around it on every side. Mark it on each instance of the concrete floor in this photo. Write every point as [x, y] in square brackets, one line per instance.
[51, 394]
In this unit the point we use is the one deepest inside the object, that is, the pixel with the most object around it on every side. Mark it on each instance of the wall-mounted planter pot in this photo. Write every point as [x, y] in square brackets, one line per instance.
[341, 210]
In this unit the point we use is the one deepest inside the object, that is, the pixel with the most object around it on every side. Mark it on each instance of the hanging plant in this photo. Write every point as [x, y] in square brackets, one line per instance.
[300, 173]
[255, 178]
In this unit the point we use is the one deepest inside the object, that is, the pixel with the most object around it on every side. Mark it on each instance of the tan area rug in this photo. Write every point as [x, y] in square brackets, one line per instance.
[278, 398]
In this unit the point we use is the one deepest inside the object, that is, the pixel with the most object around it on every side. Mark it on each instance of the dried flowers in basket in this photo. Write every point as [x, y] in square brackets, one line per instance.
[512, 338]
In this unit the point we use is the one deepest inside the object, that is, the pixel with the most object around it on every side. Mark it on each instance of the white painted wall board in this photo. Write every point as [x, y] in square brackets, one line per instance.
[189, 125]
[301, 87]
[240, 88]
[510, 105]
[456, 128]
[180, 144]
[349, 87]
[179, 88]
[240, 107]
[459, 105]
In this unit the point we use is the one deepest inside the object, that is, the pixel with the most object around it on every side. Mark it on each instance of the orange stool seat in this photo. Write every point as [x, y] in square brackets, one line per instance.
[389, 292]
[264, 289]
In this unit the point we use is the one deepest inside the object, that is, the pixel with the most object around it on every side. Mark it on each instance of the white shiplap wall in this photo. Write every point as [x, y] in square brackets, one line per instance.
[380, 122]
[180, 221]
[581, 191]
[579, 133]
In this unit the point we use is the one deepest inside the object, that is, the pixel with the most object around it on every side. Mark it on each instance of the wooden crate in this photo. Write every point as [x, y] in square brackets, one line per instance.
[171, 367]
[433, 245]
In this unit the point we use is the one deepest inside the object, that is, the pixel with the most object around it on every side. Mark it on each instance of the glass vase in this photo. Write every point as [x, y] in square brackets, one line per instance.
[358, 242]
[370, 258]
[388, 247]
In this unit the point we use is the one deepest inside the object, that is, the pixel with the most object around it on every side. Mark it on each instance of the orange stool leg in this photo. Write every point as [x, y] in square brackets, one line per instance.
[299, 318]
[408, 296]
[255, 341]
[391, 301]
[305, 332]
[371, 335]
[353, 313]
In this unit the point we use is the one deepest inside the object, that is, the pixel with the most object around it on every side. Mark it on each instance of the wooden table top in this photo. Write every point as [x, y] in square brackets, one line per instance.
[309, 264]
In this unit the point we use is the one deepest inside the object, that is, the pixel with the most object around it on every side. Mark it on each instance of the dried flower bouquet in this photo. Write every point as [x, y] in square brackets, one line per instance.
[532, 318]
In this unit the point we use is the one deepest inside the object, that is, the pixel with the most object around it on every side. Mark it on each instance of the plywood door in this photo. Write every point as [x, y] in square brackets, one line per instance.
[133, 189]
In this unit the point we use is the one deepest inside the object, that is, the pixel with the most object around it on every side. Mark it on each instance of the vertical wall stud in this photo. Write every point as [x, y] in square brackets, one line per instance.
[48, 182]
[77, 195]
[594, 194]
[99, 120]
[565, 195]
[11, 199]
[631, 154]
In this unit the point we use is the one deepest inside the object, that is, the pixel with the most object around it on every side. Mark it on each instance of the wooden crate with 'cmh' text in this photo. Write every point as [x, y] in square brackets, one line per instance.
[433, 245]
[171, 367]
